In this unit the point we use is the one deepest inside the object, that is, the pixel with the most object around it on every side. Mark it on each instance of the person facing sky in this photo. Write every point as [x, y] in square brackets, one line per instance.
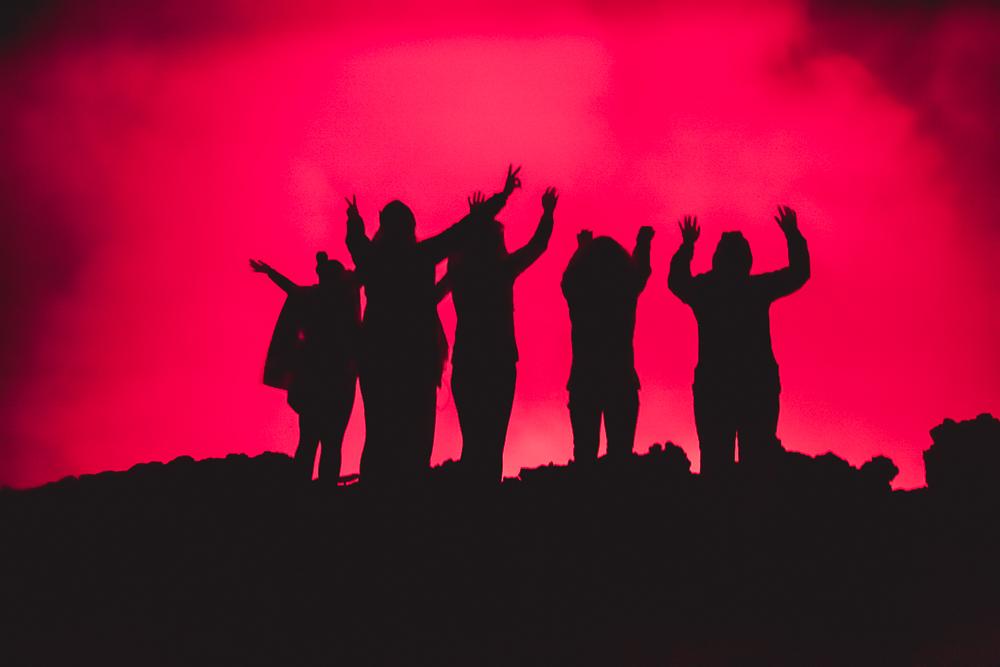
[314, 355]
[736, 385]
[602, 285]
[481, 275]
[404, 347]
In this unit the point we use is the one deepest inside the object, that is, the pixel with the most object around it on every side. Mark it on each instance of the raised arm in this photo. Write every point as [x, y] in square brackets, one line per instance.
[525, 256]
[785, 281]
[358, 243]
[680, 281]
[436, 248]
[278, 279]
[640, 256]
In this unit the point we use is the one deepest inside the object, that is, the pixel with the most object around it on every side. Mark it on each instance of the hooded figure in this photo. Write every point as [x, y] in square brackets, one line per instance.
[404, 348]
[602, 285]
[313, 355]
[481, 275]
[736, 385]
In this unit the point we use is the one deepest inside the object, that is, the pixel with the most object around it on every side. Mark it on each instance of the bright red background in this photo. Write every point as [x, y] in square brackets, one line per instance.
[149, 153]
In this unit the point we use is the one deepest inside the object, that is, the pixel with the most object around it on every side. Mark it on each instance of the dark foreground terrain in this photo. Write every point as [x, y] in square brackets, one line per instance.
[228, 562]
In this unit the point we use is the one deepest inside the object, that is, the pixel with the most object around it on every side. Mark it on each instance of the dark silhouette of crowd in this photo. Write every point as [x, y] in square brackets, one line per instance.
[322, 346]
[398, 349]
[622, 560]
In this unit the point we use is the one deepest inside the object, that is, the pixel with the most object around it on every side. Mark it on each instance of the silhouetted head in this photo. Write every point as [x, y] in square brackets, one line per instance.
[732, 258]
[396, 224]
[605, 262]
[328, 270]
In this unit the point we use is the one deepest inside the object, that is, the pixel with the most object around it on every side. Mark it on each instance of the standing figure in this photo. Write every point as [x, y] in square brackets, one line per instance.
[404, 347]
[736, 385]
[314, 355]
[481, 275]
[602, 285]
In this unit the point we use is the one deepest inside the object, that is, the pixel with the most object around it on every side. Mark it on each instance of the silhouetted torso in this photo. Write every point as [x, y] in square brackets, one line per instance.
[401, 324]
[328, 335]
[483, 293]
[602, 309]
[733, 315]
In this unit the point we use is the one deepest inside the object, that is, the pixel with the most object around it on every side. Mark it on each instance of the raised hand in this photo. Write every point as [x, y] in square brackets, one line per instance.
[476, 201]
[512, 182]
[259, 266]
[645, 234]
[690, 231]
[584, 237]
[549, 200]
[787, 220]
[352, 209]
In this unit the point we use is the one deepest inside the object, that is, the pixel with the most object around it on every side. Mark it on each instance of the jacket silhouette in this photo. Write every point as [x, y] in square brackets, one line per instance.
[314, 356]
[602, 285]
[736, 386]
[481, 275]
[404, 348]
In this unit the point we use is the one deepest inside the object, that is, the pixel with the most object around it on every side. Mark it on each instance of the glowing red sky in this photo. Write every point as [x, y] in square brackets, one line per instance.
[146, 158]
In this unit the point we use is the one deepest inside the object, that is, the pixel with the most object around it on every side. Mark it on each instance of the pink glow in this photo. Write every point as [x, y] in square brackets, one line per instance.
[167, 162]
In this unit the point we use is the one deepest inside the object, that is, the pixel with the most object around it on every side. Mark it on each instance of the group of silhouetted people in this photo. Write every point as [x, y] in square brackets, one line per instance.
[322, 345]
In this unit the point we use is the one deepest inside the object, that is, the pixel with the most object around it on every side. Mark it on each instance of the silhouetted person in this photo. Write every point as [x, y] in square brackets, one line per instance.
[481, 277]
[602, 285]
[404, 347]
[314, 355]
[736, 383]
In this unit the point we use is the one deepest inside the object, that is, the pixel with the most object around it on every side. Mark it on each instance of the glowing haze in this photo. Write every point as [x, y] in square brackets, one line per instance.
[149, 154]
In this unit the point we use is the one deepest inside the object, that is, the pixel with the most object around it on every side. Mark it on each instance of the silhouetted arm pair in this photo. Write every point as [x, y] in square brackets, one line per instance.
[438, 247]
[680, 281]
[278, 279]
[785, 281]
[525, 256]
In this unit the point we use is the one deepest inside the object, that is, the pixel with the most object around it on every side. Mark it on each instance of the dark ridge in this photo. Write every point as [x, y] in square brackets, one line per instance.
[233, 561]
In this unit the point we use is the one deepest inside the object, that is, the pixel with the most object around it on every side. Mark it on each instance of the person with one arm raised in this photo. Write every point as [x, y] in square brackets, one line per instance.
[314, 356]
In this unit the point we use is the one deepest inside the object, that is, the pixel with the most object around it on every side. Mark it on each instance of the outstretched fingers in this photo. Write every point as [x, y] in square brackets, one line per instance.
[512, 181]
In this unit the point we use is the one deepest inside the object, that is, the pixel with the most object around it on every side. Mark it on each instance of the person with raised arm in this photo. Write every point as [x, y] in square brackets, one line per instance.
[314, 356]
[736, 385]
[404, 346]
[602, 285]
[481, 275]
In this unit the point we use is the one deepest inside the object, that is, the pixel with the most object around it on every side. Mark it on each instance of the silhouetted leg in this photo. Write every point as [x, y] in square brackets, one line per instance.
[469, 406]
[620, 417]
[585, 417]
[309, 435]
[716, 427]
[422, 421]
[483, 399]
[758, 427]
[377, 394]
[334, 426]
[501, 406]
